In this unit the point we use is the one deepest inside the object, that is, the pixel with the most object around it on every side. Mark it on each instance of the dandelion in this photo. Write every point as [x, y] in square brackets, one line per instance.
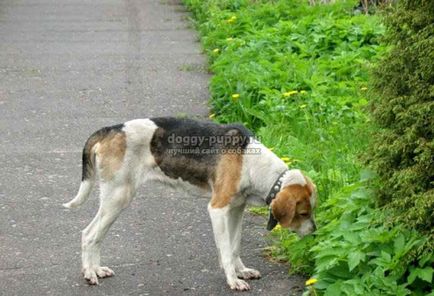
[364, 88]
[286, 159]
[303, 92]
[290, 93]
[309, 284]
[311, 281]
[215, 50]
[211, 116]
[235, 97]
[277, 228]
[232, 19]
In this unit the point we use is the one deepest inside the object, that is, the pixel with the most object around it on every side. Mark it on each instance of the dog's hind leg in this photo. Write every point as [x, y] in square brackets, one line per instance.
[113, 199]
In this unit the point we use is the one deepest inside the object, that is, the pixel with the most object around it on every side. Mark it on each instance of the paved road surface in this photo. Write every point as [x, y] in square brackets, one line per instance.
[67, 68]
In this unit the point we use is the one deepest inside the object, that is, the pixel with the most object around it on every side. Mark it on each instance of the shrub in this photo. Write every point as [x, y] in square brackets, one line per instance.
[402, 151]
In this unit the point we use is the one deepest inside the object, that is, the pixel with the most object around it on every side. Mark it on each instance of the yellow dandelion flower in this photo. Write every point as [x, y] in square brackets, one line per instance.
[311, 281]
[290, 93]
[211, 116]
[235, 96]
[277, 228]
[285, 159]
[303, 92]
[232, 19]
[215, 50]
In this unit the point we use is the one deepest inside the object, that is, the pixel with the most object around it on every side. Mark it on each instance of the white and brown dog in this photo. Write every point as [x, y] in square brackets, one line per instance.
[224, 160]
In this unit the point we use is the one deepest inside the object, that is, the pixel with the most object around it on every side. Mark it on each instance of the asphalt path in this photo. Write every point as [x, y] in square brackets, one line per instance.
[67, 68]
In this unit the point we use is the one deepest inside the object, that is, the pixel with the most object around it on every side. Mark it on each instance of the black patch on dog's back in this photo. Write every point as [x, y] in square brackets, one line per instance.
[190, 149]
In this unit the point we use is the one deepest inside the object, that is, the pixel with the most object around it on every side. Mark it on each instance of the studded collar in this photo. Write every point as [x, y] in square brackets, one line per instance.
[275, 189]
[272, 222]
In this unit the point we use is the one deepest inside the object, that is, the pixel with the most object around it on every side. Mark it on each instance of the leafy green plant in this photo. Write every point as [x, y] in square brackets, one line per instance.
[359, 255]
[354, 253]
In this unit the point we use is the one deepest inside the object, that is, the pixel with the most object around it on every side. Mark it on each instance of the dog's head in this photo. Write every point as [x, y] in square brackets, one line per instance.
[293, 207]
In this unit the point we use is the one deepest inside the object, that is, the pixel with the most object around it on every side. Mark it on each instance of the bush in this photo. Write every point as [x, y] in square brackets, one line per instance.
[402, 106]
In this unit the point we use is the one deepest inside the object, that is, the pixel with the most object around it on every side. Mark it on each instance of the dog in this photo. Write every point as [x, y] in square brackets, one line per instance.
[225, 161]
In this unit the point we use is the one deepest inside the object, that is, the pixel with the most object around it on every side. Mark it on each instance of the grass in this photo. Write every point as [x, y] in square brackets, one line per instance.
[301, 79]
[298, 76]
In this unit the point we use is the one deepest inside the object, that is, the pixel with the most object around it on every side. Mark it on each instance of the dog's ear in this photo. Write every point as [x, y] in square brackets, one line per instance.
[272, 222]
[283, 207]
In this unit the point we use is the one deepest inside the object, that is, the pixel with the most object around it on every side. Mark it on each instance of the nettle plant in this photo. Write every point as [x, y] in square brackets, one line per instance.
[360, 255]
[354, 253]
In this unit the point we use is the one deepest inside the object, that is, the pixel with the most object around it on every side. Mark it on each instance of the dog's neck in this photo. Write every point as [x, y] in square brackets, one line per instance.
[261, 169]
[286, 178]
[293, 177]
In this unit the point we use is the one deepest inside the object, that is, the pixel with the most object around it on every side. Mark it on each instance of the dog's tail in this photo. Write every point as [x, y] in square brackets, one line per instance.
[88, 165]
[88, 172]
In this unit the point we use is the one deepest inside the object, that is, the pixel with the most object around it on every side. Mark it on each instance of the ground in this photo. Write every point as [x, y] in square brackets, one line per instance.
[68, 68]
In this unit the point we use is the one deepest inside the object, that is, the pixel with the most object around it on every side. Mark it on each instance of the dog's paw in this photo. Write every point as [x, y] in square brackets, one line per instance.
[248, 274]
[239, 285]
[92, 274]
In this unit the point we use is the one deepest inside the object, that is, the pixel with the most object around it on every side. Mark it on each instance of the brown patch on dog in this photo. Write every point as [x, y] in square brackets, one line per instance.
[227, 179]
[111, 151]
[291, 204]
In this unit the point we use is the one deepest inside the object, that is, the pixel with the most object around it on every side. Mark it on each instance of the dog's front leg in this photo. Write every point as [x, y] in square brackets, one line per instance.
[221, 229]
[235, 223]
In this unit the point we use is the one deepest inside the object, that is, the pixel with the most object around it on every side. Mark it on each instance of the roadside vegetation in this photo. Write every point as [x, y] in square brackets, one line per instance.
[300, 77]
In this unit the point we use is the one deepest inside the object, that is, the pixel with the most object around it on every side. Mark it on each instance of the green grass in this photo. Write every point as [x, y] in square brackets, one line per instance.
[297, 75]
[263, 50]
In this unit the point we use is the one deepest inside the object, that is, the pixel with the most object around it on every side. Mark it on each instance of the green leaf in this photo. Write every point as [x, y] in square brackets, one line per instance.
[428, 257]
[334, 289]
[354, 259]
[426, 274]
[399, 243]
[422, 273]
[386, 256]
